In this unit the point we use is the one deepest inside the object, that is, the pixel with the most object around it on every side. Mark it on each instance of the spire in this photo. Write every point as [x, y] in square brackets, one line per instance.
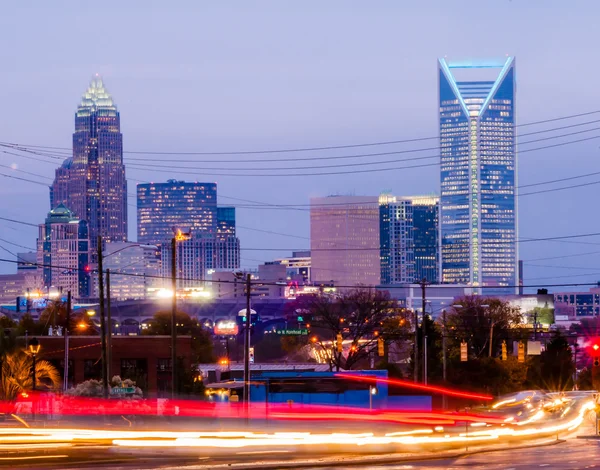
[95, 97]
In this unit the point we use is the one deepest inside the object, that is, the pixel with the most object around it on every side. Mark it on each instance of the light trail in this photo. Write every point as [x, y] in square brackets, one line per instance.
[418, 386]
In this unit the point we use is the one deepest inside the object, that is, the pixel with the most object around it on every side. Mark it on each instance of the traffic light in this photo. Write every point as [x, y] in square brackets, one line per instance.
[521, 352]
[339, 345]
[251, 355]
[463, 352]
[596, 362]
[504, 351]
[380, 347]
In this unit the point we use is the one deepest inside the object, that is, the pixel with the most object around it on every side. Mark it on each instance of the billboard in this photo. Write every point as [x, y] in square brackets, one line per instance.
[226, 328]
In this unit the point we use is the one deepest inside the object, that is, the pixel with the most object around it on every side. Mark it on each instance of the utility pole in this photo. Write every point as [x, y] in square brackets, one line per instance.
[444, 402]
[535, 315]
[109, 330]
[102, 319]
[67, 323]
[424, 303]
[174, 318]
[247, 344]
[416, 354]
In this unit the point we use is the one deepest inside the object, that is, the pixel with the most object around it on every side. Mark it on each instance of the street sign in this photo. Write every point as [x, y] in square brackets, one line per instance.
[293, 332]
[463, 352]
[122, 390]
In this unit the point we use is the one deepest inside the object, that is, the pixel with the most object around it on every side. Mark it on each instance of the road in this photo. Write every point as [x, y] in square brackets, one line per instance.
[573, 454]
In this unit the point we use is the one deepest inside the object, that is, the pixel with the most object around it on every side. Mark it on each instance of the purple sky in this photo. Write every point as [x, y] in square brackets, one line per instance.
[218, 76]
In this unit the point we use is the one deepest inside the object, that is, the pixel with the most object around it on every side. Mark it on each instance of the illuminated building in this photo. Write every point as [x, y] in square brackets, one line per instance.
[63, 253]
[92, 182]
[344, 240]
[478, 209]
[409, 239]
[297, 266]
[134, 270]
[162, 206]
[574, 305]
[225, 222]
[198, 256]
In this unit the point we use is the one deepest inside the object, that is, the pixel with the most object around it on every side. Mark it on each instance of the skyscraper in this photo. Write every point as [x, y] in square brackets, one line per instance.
[478, 209]
[92, 182]
[409, 239]
[344, 240]
[225, 222]
[63, 252]
[162, 206]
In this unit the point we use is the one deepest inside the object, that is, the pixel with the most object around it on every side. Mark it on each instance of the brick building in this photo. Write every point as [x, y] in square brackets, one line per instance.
[144, 359]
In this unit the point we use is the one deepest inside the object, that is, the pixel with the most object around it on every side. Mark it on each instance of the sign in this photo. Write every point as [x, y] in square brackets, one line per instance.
[521, 353]
[463, 352]
[293, 332]
[122, 390]
[226, 328]
[534, 348]
[251, 355]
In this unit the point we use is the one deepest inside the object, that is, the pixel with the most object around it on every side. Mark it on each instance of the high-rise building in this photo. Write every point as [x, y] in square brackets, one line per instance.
[198, 256]
[163, 206]
[478, 208]
[225, 222]
[63, 253]
[133, 268]
[409, 239]
[344, 240]
[92, 182]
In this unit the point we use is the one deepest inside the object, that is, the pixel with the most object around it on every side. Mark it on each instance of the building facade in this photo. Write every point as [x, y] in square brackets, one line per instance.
[163, 206]
[478, 208]
[198, 256]
[344, 240]
[575, 305]
[63, 253]
[297, 266]
[225, 222]
[409, 239]
[92, 183]
[134, 269]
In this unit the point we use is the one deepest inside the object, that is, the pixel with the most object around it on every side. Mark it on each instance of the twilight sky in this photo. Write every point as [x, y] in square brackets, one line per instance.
[250, 75]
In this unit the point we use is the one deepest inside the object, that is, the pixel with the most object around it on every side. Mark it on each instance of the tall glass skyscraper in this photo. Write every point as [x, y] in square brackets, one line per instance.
[92, 183]
[478, 210]
[408, 232]
[163, 206]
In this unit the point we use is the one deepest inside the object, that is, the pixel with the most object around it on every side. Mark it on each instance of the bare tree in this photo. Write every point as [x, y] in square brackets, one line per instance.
[359, 317]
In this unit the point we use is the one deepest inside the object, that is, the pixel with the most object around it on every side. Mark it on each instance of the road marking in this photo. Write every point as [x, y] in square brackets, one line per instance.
[544, 465]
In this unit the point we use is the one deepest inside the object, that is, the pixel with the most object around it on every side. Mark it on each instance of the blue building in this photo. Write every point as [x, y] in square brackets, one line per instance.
[478, 209]
[408, 237]
[225, 222]
[161, 207]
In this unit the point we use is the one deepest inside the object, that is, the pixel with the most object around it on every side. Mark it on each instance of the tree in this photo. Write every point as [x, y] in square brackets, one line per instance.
[202, 347]
[93, 388]
[556, 367]
[17, 375]
[475, 319]
[544, 315]
[358, 316]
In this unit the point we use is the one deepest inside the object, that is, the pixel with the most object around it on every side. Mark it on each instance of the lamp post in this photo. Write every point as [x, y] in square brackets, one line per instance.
[179, 237]
[105, 333]
[34, 349]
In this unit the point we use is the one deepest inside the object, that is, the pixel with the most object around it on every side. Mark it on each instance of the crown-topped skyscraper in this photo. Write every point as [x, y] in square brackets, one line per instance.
[92, 182]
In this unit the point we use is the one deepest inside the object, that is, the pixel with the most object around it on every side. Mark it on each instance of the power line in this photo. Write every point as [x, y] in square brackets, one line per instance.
[313, 148]
[259, 283]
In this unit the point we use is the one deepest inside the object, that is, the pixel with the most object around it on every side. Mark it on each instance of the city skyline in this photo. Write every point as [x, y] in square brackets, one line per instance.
[231, 98]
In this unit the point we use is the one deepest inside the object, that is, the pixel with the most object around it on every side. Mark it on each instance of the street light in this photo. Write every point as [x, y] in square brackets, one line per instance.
[34, 349]
[106, 338]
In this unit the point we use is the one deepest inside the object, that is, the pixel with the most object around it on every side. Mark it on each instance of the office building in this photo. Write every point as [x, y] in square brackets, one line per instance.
[134, 269]
[63, 253]
[409, 239]
[199, 256]
[297, 266]
[478, 208]
[92, 182]
[225, 222]
[577, 305]
[163, 206]
[344, 240]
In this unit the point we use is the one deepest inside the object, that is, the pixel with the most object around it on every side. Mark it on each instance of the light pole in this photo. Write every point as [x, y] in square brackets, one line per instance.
[34, 349]
[179, 237]
[105, 333]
